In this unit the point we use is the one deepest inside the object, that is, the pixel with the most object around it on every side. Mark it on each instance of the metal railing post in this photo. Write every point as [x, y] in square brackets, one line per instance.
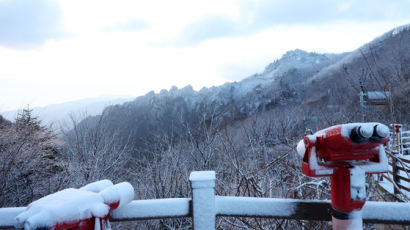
[203, 199]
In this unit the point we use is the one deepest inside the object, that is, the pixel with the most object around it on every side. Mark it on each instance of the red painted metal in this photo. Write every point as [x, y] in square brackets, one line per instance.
[330, 153]
[86, 224]
[340, 192]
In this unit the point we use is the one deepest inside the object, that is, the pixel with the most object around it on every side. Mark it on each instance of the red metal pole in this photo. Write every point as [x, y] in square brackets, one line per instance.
[346, 213]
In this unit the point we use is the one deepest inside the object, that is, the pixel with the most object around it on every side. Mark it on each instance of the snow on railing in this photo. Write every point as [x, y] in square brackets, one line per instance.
[153, 209]
[399, 140]
[405, 141]
[205, 206]
[397, 180]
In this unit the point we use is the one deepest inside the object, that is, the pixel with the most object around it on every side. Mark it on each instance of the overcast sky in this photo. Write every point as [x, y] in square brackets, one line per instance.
[53, 51]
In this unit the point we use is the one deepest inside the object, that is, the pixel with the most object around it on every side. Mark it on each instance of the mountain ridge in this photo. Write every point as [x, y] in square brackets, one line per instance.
[60, 112]
[324, 85]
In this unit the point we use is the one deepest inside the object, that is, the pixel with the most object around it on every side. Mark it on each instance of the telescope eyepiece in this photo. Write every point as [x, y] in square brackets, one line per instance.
[369, 133]
[361, 133]
[366, 130]
[381, 131]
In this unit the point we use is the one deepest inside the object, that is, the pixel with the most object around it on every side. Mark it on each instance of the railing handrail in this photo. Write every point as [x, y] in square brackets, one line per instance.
[317, 210]
[204, 197]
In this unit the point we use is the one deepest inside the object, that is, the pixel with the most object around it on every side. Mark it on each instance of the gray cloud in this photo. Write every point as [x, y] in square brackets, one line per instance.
[271, 13]
[129, 26]
[318, 11]
[209, 27]
[28, 23]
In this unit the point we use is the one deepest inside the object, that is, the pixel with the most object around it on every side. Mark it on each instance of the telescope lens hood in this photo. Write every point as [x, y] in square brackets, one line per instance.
[361, 133]
[381, 131]
[366, 130]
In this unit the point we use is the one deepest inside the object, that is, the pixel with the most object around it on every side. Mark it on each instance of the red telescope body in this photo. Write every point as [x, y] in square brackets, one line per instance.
[346, 153]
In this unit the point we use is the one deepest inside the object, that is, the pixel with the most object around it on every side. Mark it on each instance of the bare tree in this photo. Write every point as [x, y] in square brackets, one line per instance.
[29, 164]
[92, 152]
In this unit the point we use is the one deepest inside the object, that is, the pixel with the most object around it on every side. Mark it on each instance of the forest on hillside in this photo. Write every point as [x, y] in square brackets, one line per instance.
[253, 157]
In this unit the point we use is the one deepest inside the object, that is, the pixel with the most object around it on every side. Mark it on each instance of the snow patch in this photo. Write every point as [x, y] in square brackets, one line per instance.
[366, 130]
[73, 205]
[319, 170]
[356, 220]
[300, 148]
[400, 29]
[357, 184]
[368, 127]
[382, 130]
[202, 179]
[202, 175]
[123, 192]
[313, 138]
[68, 205]
[251, 206]
[386, 210]
[97, 186]
[8, 216]
[153, 208]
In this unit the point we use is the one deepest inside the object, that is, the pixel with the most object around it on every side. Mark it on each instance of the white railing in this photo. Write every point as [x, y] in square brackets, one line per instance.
[205, 206]
[400, 140]
[405, 141]
[397, 180]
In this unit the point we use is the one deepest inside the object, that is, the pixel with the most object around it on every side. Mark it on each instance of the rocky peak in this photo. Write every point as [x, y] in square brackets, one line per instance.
[298, 59]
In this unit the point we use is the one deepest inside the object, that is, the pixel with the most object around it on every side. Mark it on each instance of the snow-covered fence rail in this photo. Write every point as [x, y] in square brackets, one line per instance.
[373, 212]
[397, 180]
[405, 141]
[399, 140]
[205, 206]
[8, 216]
[154, 209]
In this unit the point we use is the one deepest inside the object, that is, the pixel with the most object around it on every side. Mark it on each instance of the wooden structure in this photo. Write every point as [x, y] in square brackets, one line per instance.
[373, 98]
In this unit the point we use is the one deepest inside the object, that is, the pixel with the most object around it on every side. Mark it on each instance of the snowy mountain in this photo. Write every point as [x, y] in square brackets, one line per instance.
[317, 82]
[294, 67]
[381, 65]
[60, 113]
